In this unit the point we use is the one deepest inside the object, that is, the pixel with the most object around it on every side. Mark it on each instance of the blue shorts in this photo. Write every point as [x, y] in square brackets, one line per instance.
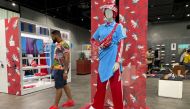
[59, 81]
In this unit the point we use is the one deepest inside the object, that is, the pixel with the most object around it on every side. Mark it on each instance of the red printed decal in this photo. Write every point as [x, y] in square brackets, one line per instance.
[13, 57]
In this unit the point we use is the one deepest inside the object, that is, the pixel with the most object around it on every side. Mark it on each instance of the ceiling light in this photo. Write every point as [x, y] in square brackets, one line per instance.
[13, 4]
[158, 18]
[173, 15]
[82, 19]
[151, 6]
[186, 6]
[188, 15]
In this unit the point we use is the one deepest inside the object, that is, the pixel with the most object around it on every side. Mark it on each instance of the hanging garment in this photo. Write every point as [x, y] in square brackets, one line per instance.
[31, 45]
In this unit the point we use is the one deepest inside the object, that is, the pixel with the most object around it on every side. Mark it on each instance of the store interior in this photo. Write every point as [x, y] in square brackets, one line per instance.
[168, 42]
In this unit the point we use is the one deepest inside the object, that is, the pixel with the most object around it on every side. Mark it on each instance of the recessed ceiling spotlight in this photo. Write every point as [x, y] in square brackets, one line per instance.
[188, 15]
[13, 4]
[151, 6]
[186, 6]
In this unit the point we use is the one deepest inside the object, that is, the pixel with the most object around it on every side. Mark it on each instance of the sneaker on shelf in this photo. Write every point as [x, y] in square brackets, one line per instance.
[40, 74]
[68, 103]
[54, 107]
[33, 64]
[30, 86]
[181, 76]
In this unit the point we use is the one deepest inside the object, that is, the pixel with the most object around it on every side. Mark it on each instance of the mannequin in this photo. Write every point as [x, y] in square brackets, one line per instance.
[109, 37]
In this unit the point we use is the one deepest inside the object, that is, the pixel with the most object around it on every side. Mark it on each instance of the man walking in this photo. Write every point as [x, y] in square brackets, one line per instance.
[61, 67]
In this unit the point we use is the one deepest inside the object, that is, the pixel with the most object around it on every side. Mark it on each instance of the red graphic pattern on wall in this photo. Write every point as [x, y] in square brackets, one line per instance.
[133, 16]
[13, 57]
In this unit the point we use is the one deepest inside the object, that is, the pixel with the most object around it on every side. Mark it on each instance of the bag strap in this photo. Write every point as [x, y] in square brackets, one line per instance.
[111, 34]
[115, 27]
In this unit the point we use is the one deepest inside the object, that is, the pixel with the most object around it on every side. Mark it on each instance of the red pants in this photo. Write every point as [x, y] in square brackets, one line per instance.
[115, 85]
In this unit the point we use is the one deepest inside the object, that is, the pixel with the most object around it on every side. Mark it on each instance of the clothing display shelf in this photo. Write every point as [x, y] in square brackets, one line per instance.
[16, 62]
[36, 83]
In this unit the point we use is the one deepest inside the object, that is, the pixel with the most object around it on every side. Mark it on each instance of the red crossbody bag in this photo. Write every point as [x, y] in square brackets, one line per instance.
[107, 41]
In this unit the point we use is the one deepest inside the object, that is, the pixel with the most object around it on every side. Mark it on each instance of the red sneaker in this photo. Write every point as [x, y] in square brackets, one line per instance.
[68, 103]
[54, 107]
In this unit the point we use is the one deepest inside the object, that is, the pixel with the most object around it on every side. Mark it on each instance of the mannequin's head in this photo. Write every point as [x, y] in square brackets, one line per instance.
[110, 11]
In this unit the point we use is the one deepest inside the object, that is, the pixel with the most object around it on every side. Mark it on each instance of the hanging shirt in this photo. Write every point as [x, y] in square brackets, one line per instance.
[60, 49]
[107, 56]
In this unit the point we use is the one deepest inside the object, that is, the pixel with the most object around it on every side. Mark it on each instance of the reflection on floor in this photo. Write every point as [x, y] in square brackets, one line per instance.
[81, 91]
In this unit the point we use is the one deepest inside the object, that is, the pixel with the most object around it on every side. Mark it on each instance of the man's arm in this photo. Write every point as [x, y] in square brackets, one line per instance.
[66, 61]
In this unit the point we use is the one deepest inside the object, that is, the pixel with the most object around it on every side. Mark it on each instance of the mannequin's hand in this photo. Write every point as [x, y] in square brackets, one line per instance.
[115, 67]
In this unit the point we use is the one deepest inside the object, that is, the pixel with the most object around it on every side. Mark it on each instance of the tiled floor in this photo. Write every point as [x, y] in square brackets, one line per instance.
[81, 91]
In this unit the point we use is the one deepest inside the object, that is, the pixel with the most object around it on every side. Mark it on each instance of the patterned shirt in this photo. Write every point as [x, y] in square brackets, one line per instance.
[59, 59]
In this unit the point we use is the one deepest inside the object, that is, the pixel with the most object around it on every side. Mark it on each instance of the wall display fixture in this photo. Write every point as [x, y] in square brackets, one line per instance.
[26, 57]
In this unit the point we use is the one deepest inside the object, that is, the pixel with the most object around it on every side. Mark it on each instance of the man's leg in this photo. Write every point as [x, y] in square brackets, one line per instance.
[70, 102]
[100, 95]
[58, 77]
[115, 84]
[58, 96]
[68, 92]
